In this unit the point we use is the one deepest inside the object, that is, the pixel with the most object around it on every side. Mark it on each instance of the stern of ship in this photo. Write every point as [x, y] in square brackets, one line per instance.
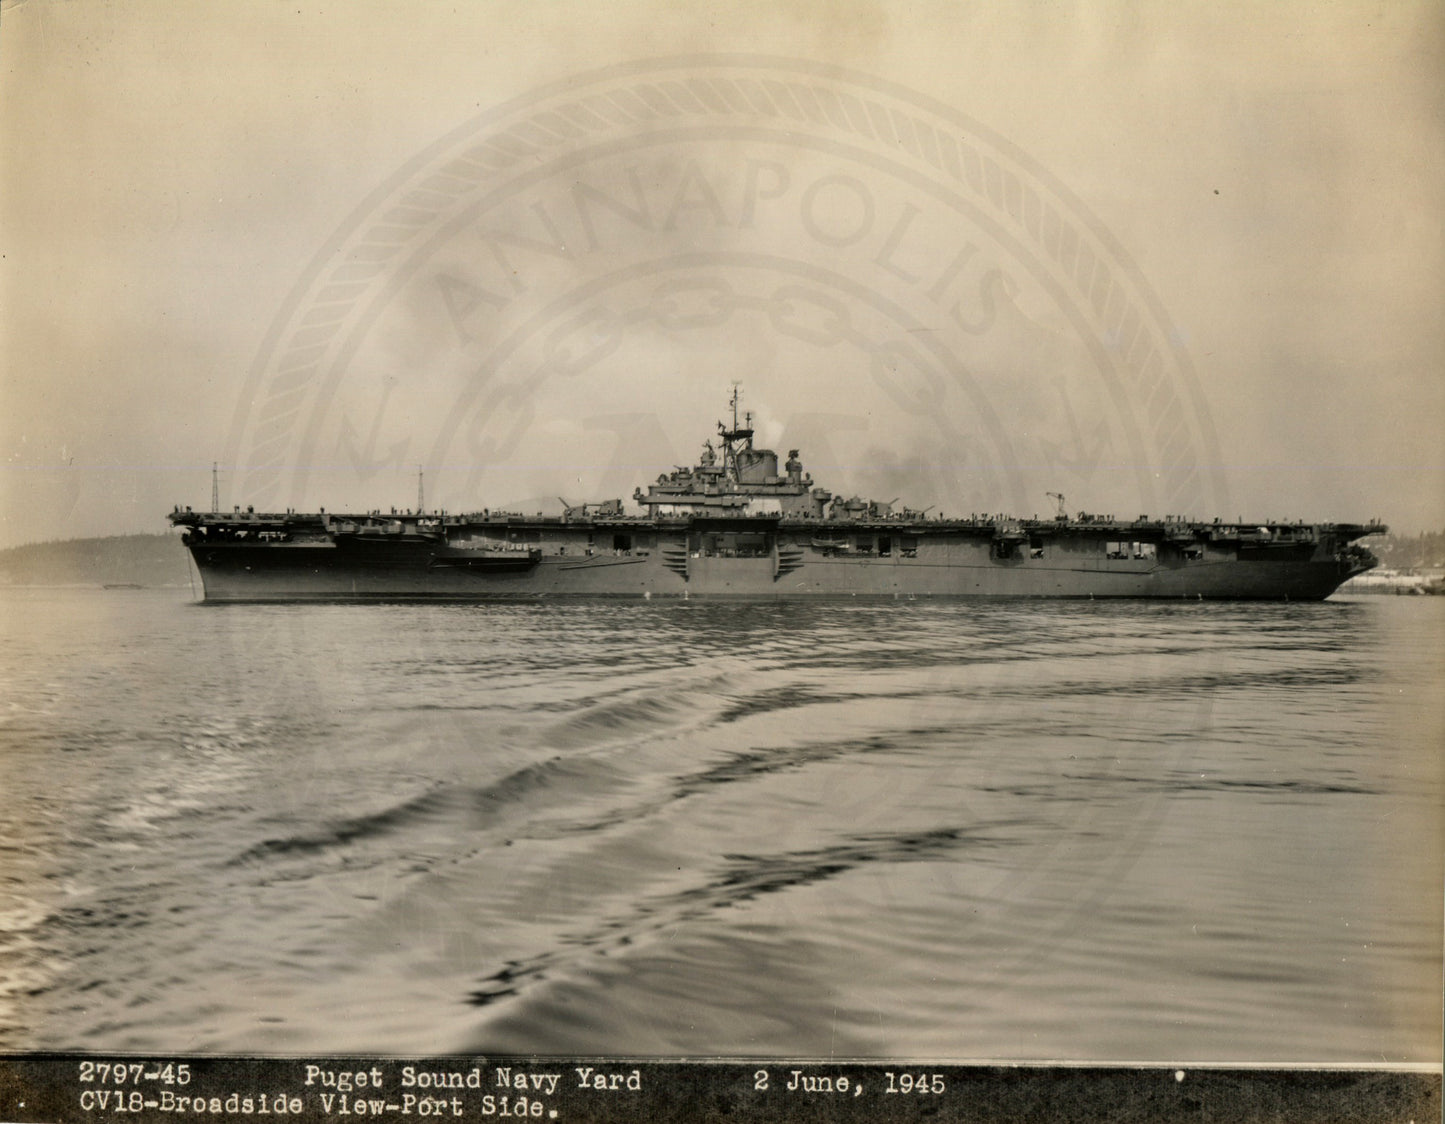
[1355, 559]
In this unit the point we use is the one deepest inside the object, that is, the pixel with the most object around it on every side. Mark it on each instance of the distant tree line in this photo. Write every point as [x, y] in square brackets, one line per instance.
[149, 560]
[1410, 552]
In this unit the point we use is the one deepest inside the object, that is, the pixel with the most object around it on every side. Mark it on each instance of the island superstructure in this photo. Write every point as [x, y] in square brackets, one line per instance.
[734, 525]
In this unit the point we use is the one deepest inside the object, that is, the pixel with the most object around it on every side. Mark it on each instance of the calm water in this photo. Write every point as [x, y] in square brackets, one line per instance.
[1183, 832]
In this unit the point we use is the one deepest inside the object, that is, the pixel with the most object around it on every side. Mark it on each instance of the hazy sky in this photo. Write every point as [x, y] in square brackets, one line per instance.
[170, 171]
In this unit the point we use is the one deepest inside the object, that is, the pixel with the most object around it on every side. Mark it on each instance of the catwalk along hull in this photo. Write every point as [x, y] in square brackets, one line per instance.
[762, 558]
[737, 524]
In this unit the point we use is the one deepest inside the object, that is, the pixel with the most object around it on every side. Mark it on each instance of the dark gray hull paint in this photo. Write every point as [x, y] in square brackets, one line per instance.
[963, 567]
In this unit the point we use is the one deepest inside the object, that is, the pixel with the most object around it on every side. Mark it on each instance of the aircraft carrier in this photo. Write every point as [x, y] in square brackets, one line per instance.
[737, 525]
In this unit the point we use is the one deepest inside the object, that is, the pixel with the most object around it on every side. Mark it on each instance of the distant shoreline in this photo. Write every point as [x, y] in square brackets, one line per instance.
[147, 561]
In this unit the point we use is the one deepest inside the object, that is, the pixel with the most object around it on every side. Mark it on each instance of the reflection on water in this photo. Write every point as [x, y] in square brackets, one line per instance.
[1130, 831]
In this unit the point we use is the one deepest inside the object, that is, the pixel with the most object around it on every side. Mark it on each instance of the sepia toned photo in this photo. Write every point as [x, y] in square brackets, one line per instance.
[569, 539]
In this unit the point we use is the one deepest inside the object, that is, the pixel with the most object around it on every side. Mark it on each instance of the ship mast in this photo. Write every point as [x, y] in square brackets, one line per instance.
[743, 433]
[420, 493]
[215, 488]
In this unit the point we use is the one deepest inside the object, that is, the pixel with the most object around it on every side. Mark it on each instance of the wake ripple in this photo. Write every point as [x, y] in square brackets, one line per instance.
[744, 878]
[470, 808]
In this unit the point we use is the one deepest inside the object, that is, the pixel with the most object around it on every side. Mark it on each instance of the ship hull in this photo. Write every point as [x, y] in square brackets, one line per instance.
[790, 568]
